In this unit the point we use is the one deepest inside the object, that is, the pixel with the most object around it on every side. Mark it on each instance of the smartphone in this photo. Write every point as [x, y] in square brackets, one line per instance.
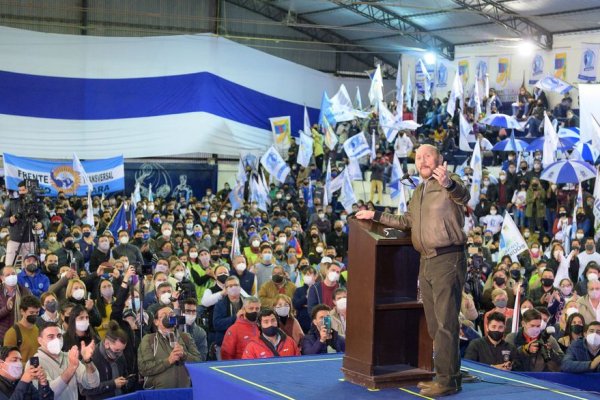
[74, 265]
[473, 250]
[34, 362]
[327, 323]
[109, 270]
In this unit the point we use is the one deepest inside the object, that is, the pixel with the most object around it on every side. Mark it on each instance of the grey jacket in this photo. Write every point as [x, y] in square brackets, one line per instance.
[435, 216]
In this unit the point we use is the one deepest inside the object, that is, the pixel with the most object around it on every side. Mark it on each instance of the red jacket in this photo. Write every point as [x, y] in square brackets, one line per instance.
[237, 337]
[258, 348]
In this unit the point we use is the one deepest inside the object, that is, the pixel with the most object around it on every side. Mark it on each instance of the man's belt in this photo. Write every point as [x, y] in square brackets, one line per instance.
[450, 249]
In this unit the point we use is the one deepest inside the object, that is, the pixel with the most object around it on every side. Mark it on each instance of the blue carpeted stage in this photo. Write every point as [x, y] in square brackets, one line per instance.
[320, 377]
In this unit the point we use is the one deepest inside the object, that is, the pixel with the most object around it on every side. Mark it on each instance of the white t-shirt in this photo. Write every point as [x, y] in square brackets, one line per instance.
[493, 223]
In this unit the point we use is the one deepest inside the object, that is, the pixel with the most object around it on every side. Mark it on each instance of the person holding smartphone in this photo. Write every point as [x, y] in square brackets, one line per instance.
[16, 381]
[321, 336]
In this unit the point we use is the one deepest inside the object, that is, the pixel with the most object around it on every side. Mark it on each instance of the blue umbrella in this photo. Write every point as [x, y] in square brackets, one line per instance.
[564, 144]
[587, 152]
[569, 133]
[510, 144]
[502, 121]
[568, 171]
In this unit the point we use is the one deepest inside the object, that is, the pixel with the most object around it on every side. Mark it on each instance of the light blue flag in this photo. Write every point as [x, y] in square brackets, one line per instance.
[348, 196]
[235, 242]
[357, 146]
[308, 196]
[426, 80]
[511, 241]
[118, 222]
[132, 220]
[476, 166]
[257, 193]
[408, 93]
[136, 196]
[236, 196]
[399, 87]
[305, 150]
[578, 204]
[354, 170]
[552, 84]
[150, 195]
[327, 191]
[275, 165]
[358, 100]
[326, 112]
[395, 184]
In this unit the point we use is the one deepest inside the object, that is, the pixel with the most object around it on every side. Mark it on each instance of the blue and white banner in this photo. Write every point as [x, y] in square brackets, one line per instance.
[552, 84]
[511, 240]
[537, 68]
[107, 176]
[588, 71]
[275, 165]
[357, 146]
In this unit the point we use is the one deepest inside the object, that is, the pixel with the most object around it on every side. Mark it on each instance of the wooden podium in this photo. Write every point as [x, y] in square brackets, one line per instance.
[387, 343]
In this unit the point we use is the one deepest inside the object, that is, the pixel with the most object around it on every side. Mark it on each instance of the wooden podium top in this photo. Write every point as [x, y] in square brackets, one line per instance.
[382, 234]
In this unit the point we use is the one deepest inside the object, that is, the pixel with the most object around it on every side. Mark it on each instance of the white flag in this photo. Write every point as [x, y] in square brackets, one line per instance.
[465, 129]
[136, 196]
[376, 89]
[477, 99]
[358, 100]
[78, 167]
[341, 105]
[327, 191]
[305, 147]
[408, 92]
[511, 240]
[89, 218]
[387, 122]
[426, 80]
[348, 197]
[275, 165]
[455, 93]
[550, 143]
[399, 87]
[415, 106]
[477, 172]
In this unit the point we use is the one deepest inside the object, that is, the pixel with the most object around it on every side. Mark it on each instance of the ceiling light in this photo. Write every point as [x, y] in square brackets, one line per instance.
[526, 47]
[429, 58]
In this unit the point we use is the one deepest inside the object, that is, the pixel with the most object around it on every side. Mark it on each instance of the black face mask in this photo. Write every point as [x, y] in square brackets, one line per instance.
[222, 278]
[547, 282]
[31, 319]
[31, 267]
[577, 329]
[269, 331]
[51, 306]
[499, 281]
[251, 316]
[277, 279]
[215, 257]
[516, 274]
[495, 335]
[69, 245]
[87, 234]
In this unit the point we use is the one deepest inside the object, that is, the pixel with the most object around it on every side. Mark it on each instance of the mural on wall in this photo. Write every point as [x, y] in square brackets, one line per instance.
[560, 65]
[503, 76]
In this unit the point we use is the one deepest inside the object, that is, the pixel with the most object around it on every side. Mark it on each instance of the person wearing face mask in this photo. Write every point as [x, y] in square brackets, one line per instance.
[338, 314]
[279, 284]
[583, 355]
[547, 295]
[247, 279]
[535, 209]
[101, 253]
[588, 256]
[272, 341]
[338, 239]
[50, 267]
[227, 310]
[16, 381]
[111, 364]
[500, 301]
[537, 352]
[201, 272]
[590, 272]
[49, 303]
[322, 291]
[32, 278]
[19, 228]
[589, 305]
[574, 329]
[86, 243]
[499, 280]
[162, 355]
[69, 253]
[242, 331]
[79, 331]
[24, 333]
[104, 305]
[51, 243]
[493, 221]
[264, 268]
[198, 334]
[124, 248]
[76, 293]
[11, 294]
[493, 349]
[157, 244]
[308, 275]
[66, 371]
[252, 251]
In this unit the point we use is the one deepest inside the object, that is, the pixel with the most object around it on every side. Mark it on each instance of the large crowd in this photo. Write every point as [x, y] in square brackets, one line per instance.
[88, 312]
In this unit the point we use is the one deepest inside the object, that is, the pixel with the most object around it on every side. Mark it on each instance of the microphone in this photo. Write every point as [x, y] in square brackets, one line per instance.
[407, 177]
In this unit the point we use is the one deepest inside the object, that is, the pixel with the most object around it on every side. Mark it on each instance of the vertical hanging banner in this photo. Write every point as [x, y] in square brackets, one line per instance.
[481, 68]
[282, 134]
[560, 65]
[106, 176]
[441, 75]
[463, 71]
[420, 77]
[537, 68]
[503, 76]
[588, 71]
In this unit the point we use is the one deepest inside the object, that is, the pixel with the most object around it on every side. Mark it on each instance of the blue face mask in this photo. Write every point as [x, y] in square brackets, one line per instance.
[146, 236]
[198, 234]
[204, 219]
[267, 257]
[136, 303]
[156, 220]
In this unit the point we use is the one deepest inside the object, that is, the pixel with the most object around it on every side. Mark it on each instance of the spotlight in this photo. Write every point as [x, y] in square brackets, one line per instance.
[429, 58]
[526, 47]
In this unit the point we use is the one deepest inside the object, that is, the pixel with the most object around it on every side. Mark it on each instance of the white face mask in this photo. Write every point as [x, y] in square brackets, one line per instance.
[333, 276]
[78, 294]
[179, 275]
[190, 319]
[592, 276]
[523, 310]
[124, 240]
[593, 339]
[571, 310]
[55, 346]
[82, 325]
[594, 294]
[341, 304]
[11, 280]
[255, 243]
[166, 233]
[319, 249]
[241, 267]
[161, 268]
[282, 240]
[543, 325]
[283, 311]
[308, 280]
[193, 254]
[533, 332]
[165, 298]
[14, 369]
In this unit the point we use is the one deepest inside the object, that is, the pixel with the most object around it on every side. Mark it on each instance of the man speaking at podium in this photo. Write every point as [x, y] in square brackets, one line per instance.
[435, 217]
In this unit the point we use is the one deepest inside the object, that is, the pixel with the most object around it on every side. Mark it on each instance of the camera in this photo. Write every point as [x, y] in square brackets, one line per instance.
[34, 362]
[174, 321]
[182, 292]
[142, 269]
[31, 201]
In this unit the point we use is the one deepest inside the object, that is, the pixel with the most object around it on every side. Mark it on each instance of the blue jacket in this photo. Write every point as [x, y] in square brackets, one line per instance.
[314, 296]
[311, 343]
[246, 280]
[223, 318]
[37, 284]
[578, 358]
[300, 302]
